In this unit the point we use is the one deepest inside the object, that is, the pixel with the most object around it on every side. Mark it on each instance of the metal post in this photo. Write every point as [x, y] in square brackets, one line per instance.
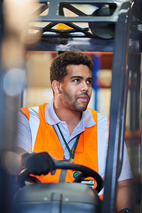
[117, 108]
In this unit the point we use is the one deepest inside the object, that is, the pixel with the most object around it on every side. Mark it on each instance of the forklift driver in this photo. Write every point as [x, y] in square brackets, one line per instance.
[67, 129]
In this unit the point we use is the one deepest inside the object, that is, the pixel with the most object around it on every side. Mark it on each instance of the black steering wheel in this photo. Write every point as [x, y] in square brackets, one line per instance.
[85, 172]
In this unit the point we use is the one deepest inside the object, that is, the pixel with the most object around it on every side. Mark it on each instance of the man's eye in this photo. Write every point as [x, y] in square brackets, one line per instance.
[76, 80]
[89, 82]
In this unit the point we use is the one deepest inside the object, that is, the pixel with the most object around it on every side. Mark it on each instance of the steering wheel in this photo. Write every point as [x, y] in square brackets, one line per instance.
[85, 172]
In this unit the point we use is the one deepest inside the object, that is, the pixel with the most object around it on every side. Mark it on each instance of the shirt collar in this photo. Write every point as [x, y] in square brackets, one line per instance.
[52, 119]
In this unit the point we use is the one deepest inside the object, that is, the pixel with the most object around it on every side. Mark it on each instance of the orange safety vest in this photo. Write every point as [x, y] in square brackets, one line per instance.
[47, 140]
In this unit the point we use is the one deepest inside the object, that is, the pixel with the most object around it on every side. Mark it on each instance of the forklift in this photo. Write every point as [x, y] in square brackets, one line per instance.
[113, 26]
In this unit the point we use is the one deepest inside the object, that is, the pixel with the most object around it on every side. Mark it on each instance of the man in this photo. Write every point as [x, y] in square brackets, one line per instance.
[66, 129]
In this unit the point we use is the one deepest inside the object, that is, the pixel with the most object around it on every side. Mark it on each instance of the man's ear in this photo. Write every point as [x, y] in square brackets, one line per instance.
[56, 86]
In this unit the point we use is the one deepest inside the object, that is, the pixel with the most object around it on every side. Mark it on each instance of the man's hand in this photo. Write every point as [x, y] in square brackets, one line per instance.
[38, 163]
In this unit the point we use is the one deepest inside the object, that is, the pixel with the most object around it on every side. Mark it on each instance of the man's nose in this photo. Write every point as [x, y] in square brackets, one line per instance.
[84, 86]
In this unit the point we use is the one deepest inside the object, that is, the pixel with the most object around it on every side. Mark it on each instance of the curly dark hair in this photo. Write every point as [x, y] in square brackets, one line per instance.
[58, 68]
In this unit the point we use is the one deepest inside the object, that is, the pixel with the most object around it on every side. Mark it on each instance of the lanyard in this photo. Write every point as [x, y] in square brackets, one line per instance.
[72, 152]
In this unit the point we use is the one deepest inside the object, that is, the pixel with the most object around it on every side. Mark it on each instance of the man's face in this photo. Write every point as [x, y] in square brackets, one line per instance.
[76, 88]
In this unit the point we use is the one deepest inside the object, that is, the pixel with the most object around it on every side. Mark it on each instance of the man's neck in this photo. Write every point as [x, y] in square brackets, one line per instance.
[72, 118]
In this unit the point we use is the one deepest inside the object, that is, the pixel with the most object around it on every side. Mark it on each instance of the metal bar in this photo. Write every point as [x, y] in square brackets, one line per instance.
[48, 27]
[57, 18]
[67, 33]
[135, 117]
[135, 93]
[122, 126]
[79, 29]
[54, 12]
[41, 9]
[80, 1]
[61, 10]
[116, 108]
[73, 9]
